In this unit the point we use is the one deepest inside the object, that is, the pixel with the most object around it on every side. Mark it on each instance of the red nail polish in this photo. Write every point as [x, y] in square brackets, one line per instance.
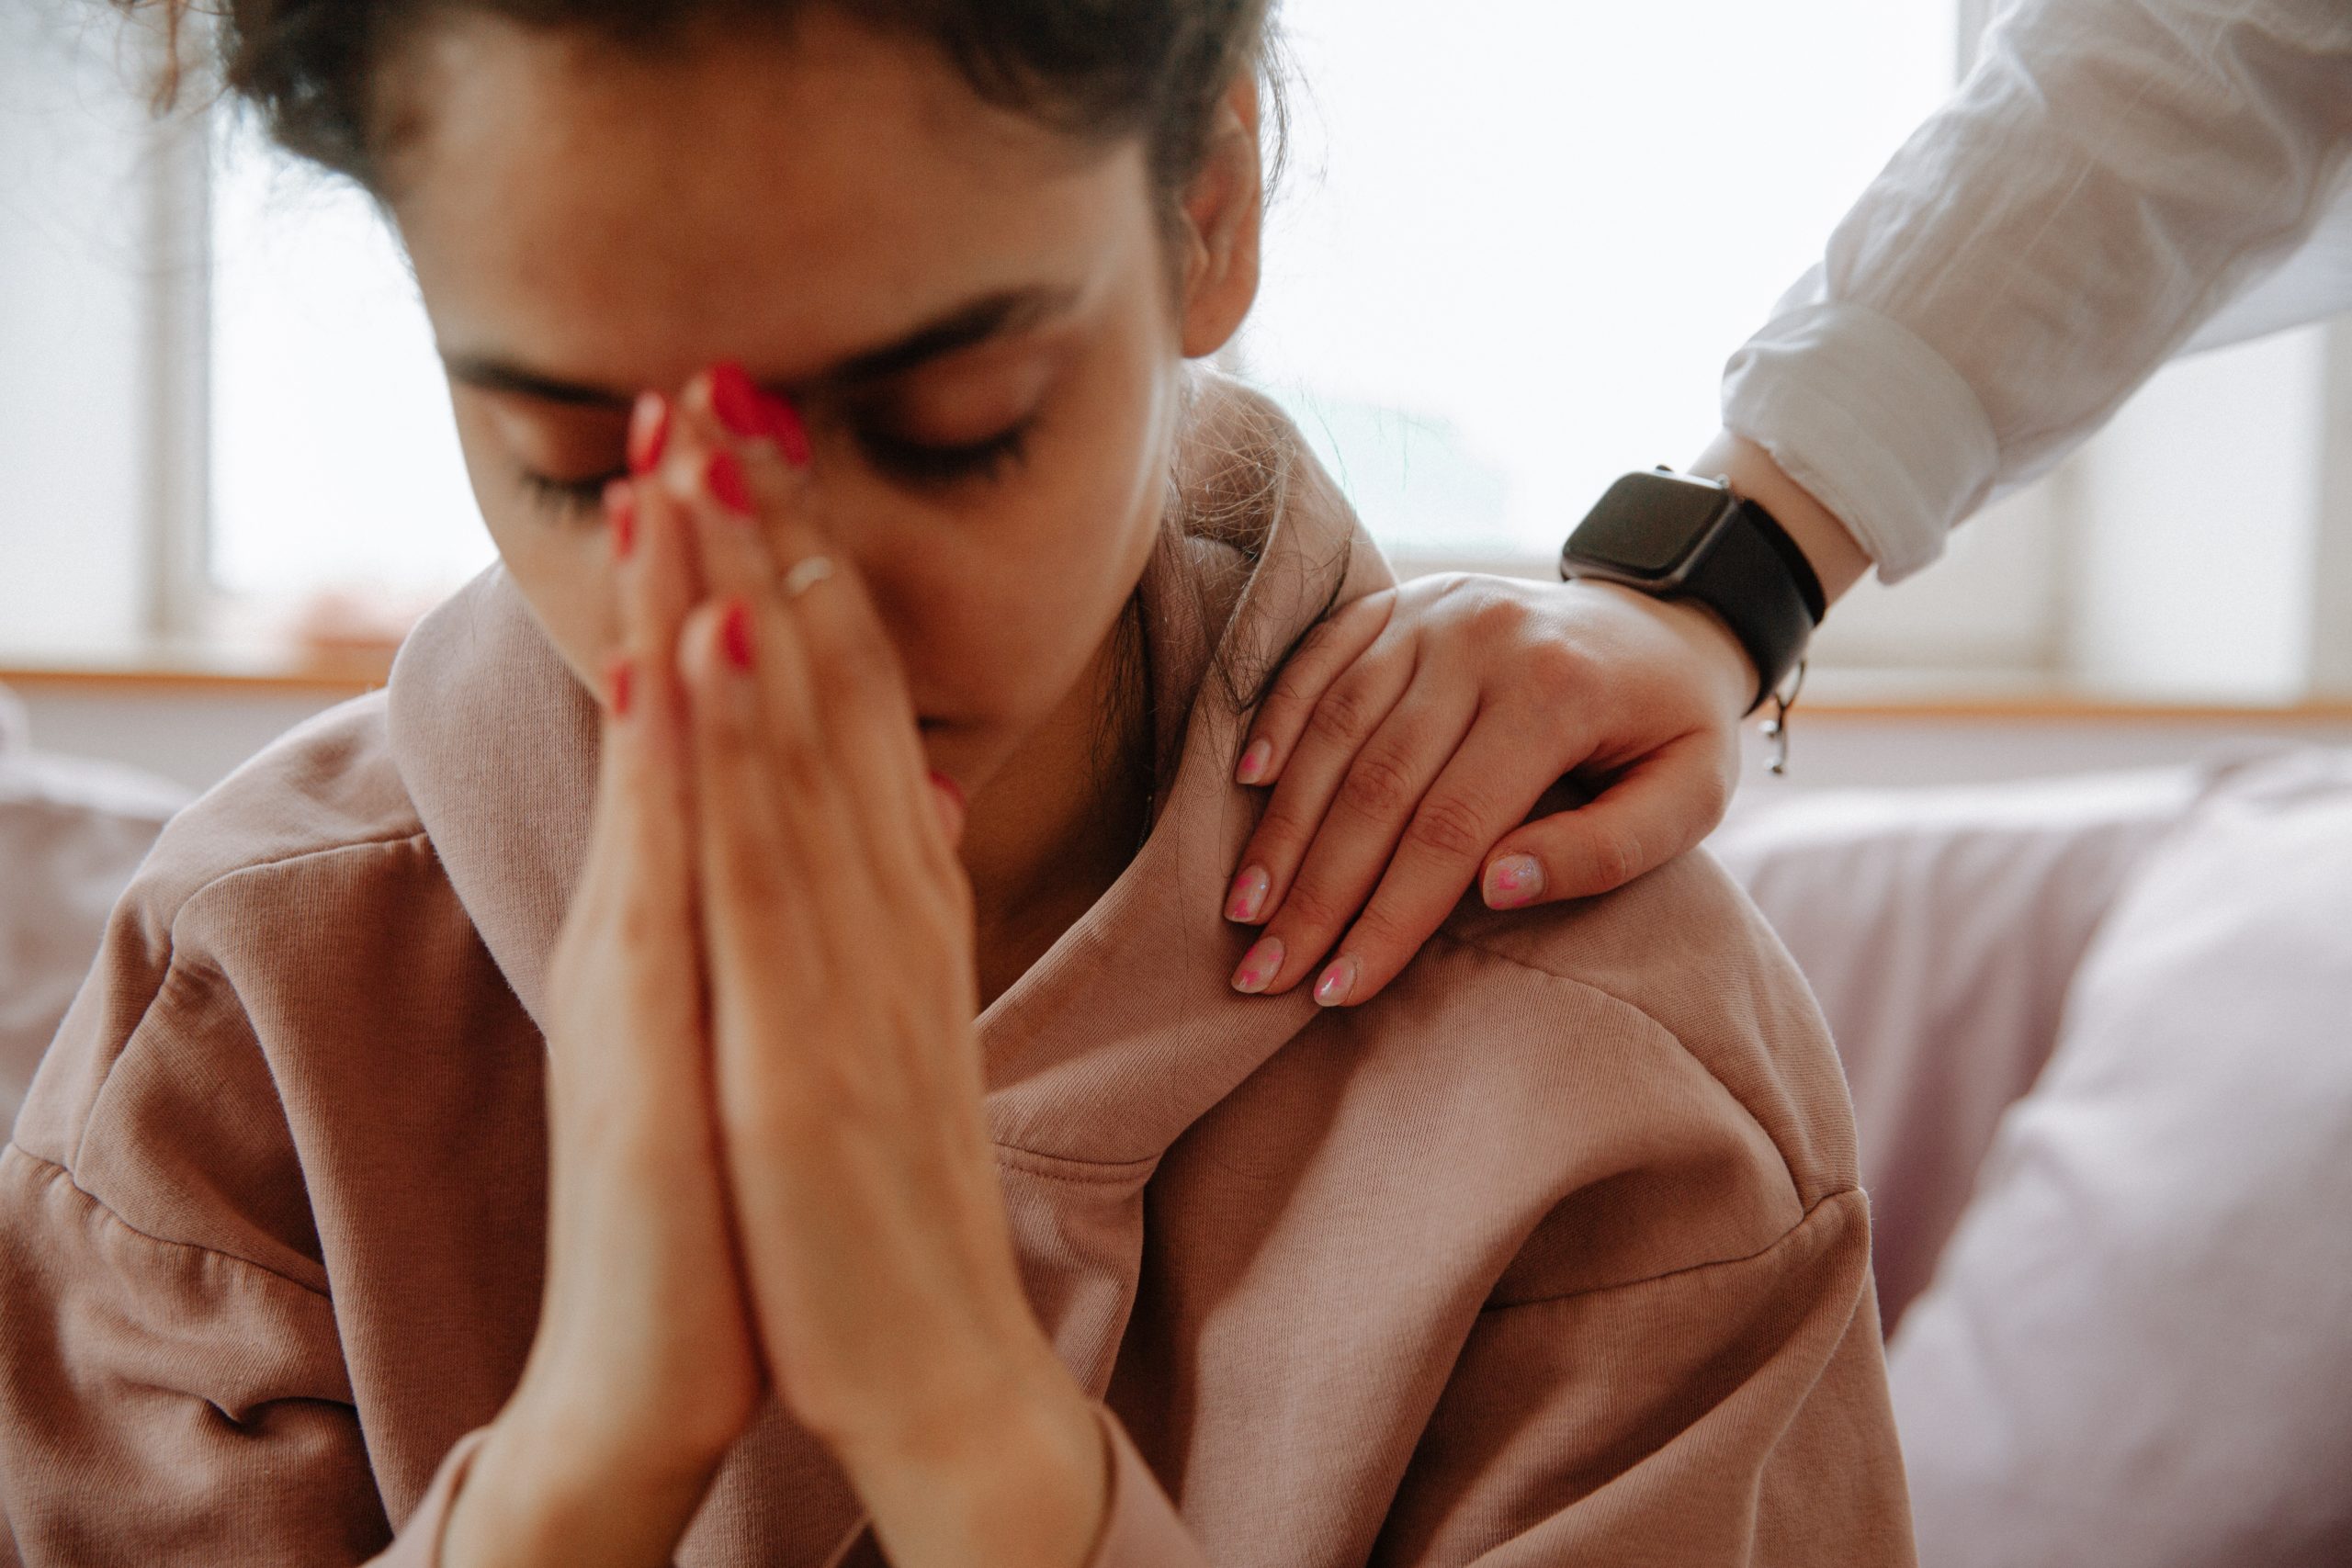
[620, 507]
[649, 432]
[740, 406]
[735, 636]
[724, 478]
[619, 685]
[752, 414]
[791, 434]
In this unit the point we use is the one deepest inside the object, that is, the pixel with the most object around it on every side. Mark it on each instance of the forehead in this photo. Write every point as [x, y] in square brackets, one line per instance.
[783, 198]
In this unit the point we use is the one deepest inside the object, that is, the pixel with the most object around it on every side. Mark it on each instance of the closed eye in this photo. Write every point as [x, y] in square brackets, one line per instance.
[567, 499]
[922, 463]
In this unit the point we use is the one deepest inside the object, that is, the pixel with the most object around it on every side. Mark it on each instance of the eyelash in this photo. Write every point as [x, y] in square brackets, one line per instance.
[917, 464]
[912, 462]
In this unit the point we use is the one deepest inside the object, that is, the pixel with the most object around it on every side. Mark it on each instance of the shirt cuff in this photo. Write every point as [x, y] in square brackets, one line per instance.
[1141, 1529]
[418, 1545]
[1876, 425]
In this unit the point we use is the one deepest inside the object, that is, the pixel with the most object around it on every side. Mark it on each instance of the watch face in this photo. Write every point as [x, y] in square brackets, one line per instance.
[1648, 523]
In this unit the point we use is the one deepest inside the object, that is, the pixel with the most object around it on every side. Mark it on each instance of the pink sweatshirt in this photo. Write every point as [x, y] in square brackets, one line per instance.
[1552, 1254]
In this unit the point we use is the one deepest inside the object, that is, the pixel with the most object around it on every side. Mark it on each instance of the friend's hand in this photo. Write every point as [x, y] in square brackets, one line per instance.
[645, 1369]
[837, 926]
[1409, 739]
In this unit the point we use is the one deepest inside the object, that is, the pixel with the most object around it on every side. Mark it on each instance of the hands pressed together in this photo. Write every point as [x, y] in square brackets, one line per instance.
[769, 1167]
[770, 1172]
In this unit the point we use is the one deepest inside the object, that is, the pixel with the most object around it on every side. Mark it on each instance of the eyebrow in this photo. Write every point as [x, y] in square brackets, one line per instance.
[991, 316]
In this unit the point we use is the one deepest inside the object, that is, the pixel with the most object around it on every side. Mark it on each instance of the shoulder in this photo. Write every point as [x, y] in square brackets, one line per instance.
[1649, 1068]
[160, 1071]
[327, 786]
[1685, 950]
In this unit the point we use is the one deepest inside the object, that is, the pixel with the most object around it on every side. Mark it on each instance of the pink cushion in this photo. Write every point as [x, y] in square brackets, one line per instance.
[71, 834]
[1941, 930]
[2138, 1347]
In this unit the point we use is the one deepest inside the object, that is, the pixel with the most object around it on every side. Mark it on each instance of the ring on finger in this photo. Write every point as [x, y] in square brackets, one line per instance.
[807, 573]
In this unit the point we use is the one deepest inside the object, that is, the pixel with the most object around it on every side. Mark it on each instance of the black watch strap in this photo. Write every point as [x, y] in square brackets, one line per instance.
[1755, 576]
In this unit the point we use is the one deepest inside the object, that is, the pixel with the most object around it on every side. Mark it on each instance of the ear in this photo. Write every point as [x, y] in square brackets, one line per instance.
[1225, 211]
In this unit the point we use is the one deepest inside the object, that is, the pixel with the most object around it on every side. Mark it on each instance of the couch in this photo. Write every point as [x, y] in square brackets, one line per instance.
[2099, 1037]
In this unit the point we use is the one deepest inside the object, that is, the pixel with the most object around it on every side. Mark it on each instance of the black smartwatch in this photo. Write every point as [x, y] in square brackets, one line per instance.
[1679, 537]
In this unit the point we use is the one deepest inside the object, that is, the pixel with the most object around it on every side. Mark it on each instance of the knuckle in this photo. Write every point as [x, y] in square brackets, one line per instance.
[1343, 718]
[1558, 670]
[1499, 617]
[1289, 695]
[1310, 907]
[1449, 827]
[1617, 859]
[1379, 786]
[1378, 932]
[1280, 837]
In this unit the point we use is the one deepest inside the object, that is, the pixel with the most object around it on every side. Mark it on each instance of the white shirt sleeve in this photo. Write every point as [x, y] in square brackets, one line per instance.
[2111, 174]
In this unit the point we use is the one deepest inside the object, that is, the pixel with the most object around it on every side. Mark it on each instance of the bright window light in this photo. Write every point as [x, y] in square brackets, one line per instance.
[1519, 238]
[1517, 241]
[334, 459]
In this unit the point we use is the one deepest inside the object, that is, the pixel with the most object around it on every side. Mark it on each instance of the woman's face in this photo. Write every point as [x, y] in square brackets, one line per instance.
[974, 312]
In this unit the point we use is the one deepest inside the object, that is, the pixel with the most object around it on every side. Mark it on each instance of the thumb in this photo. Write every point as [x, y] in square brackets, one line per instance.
[1656, 810]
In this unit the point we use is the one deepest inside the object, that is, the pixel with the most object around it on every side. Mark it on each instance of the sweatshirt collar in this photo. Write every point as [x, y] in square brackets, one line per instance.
[1127, 1030]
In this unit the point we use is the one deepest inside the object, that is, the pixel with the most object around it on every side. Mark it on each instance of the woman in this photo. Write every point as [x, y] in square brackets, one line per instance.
[509, 1128]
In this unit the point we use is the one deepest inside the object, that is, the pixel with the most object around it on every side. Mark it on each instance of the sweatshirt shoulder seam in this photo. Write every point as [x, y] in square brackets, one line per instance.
[1589, 1292]
[292, 858]
[1648, 1018]
[51, 1170]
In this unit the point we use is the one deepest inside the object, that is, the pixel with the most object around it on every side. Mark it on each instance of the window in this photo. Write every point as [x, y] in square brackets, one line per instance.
[1515, 243]
[1519, 239]
[333, 459]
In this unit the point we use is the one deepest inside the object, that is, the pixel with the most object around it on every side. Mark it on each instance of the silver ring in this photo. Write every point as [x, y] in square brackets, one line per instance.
[805, 574]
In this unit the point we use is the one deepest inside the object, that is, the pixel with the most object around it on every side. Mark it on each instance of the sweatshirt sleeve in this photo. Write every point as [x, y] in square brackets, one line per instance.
[1735, 1414]
[2109, 176]
[1731, 1414]
[172, 1384]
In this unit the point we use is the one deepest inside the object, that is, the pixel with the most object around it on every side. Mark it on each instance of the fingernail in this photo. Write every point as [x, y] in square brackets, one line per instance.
[737, 402]
[735, 636]
[1255, 762]
[723, 477]
[620, 507]
[953, 808]
[790, 432]
[1259, 967]
[1514, 882]
[649, 432]
[1248, 896]
[620, 684]
[1338, 984]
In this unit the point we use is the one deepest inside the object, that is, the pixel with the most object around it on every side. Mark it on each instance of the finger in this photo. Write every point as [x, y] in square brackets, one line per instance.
[1498, 775]
[755, 856]
[1374, 804]
[1320, 659]
[755, 503]
[616, 1048]
[1659, 808]
[1345, 717]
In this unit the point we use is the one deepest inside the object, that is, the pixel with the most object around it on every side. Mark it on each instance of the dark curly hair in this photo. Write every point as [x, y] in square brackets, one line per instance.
[1097, 69]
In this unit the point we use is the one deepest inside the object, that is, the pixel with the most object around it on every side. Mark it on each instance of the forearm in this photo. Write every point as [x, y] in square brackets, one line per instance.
[1020, 1481]
[1838, 559]
[534, 1498]
[2111, 174]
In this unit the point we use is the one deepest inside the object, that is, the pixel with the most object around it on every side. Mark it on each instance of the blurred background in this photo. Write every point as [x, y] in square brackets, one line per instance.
[2065, 850]
[1500, 276]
